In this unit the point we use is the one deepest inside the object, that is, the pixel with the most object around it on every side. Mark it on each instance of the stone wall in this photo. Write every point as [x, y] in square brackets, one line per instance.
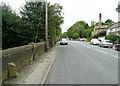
[21, 56]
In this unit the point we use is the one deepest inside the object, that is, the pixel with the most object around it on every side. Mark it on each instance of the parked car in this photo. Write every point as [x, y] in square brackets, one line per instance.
[117, 45]
[64, 41]
[82, 39]
[106, 43]
[94, 42]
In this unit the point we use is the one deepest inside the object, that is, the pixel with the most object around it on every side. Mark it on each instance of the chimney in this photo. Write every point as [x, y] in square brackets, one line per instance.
[100, 18]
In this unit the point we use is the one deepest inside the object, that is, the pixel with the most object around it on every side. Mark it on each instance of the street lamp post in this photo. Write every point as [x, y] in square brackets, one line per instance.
[46, 26]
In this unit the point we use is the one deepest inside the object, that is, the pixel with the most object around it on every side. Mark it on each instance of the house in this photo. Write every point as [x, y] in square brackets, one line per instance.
[100, 27]
[115, 29]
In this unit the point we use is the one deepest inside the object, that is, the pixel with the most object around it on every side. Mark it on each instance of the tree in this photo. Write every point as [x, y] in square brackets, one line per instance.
[64, 35]
[10, 28]
[55, 20]
[33, 20]
[78, 27]
[109, 22]
[30, 25]
[87, 33]
[75, 36]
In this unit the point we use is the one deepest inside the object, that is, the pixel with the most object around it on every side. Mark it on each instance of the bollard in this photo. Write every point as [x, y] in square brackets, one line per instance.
[12, 70]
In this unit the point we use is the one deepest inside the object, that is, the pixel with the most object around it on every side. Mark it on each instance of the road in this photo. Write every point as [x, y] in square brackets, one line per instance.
[82, 63]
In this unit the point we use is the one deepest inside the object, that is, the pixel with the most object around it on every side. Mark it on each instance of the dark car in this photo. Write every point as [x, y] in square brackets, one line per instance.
[117, 46]
[63, 41]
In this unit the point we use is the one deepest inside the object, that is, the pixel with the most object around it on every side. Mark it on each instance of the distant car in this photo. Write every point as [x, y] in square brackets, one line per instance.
[64, 41]
[106, 43]
[94, 42]
[82, 39]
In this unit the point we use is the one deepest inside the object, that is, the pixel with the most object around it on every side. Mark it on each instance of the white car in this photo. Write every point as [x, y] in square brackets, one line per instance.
[106, 43]
[64, 41]
[94, 42]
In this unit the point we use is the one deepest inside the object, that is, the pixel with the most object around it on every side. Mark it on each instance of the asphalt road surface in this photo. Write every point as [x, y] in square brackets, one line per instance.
[82, 63]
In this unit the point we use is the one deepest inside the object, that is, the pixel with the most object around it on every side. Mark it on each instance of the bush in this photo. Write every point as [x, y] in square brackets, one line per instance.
[93, 36]
[75, 36]
[64, 35]
[112, 37]
[101, 34]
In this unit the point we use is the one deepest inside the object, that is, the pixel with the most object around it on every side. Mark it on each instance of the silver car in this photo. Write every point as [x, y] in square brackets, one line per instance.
[94, 42]
[64, 41]
[106, 43]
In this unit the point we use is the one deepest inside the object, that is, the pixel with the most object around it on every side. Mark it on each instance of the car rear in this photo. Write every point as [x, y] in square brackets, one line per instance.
[63, 41]
[108, 43]
[94, 42]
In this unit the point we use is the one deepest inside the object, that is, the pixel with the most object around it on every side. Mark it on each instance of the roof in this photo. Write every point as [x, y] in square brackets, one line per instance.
[101, 27]
[116, 25]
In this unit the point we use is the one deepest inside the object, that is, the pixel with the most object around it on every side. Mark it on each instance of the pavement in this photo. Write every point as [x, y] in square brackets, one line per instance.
[36, 72]
[82, 63]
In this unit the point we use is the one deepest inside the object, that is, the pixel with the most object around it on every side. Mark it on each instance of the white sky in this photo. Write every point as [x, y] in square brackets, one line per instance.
[75, 10]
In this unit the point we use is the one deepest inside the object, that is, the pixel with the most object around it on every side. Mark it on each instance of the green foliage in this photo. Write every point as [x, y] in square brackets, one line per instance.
[55, 20]
[33, 21]
[75, 36]
[101, 34]
[64, 35]
[109, 22]
[30, 25]
[92, 23]
[93, 36]
[87, 33]
[79, 27]
[10, 28]
[112, 37]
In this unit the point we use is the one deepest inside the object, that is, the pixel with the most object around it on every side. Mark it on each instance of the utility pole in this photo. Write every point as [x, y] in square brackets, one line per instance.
[46, 26]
